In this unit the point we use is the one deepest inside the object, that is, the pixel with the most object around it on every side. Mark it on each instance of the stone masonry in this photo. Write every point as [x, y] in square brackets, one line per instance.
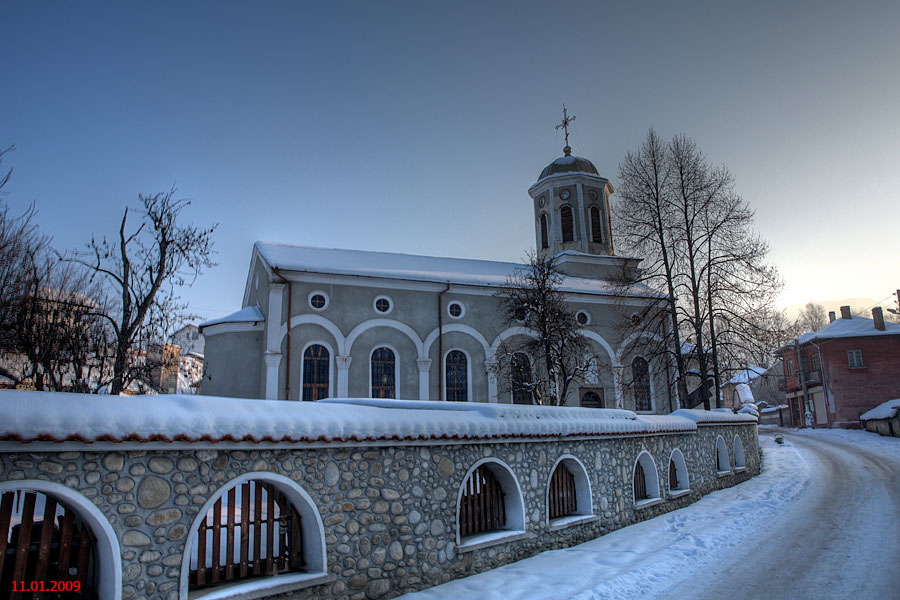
[389, 511]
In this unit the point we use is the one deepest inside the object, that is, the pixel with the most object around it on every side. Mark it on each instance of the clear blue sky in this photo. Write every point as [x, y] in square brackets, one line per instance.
[418, 127]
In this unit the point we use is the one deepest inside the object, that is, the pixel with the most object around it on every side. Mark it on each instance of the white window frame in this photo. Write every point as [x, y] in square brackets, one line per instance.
[468, 373]
[396, 368]
[318, 293]
[390, 302]
[331, 359]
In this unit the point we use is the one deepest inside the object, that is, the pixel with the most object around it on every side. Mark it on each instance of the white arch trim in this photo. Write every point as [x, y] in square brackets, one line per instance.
[109, 556]
[313, 536]
[631, 339]
[584, 500]
[722, 457]
[461, 328]
[739, 460]
[508, 333]
[651, 478]
[320, 321]
[681, 473]
[592, 335]
[391, 323]
[513, 501]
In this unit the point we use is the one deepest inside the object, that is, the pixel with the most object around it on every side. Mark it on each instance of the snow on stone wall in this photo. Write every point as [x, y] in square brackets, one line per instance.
[45, 416]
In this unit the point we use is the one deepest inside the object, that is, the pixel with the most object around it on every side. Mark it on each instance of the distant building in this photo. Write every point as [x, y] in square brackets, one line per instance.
[848, 367]
[189, 339]
[767, 385]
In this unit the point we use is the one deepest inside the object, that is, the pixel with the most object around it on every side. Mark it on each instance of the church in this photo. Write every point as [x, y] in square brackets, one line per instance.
[322, 322]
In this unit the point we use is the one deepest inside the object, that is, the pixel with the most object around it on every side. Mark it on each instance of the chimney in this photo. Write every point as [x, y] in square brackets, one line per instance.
[845, 312]
[831, 316]
[878, 317]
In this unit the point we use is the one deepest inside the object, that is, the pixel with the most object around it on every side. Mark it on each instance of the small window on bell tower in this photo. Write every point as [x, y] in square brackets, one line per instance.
[544, 242]
[596, 230]
[567, 224]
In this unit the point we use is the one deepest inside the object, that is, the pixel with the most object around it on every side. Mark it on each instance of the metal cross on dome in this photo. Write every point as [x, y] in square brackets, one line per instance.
[564, 125]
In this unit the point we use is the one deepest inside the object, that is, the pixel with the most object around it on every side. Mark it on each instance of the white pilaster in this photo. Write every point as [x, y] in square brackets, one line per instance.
[272, 355]
[343, 375]
[424, 365]
[490, 368]
[273, 318]
[273, 360]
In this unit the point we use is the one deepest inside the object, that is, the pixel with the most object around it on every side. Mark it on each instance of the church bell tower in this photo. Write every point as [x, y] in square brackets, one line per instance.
[571, 206]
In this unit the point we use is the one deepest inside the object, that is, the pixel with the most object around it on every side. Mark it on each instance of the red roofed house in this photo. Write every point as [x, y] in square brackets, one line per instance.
[839, 372]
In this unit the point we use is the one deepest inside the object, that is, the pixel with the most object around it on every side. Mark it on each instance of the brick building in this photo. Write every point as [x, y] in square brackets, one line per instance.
[839, 372]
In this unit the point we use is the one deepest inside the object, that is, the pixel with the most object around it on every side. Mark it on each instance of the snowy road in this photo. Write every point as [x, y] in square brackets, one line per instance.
[838, 539]
[821, 521]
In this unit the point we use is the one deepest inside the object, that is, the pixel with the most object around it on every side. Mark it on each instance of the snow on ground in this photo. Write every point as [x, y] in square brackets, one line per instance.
[649, 558]
[866, 439]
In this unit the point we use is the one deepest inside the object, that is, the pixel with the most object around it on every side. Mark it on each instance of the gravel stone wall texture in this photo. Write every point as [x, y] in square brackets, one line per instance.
[389, 513]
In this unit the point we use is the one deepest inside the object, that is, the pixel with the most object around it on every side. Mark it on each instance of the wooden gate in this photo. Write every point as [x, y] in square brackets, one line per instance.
[255, 532]
[562, 498]
[42, 541]
[481, 506]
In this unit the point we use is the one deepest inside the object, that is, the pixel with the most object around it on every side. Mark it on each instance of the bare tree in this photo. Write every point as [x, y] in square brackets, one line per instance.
[59, 331]
[812, 318]
[532, 300]
[684, 217]
[142, 268]
[644, 227]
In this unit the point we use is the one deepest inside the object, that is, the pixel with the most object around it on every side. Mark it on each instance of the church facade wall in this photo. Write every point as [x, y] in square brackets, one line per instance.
[238, 377]
[350, 327]
[388, 513]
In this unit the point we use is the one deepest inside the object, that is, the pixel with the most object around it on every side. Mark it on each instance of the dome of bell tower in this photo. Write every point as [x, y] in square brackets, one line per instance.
[568, 164]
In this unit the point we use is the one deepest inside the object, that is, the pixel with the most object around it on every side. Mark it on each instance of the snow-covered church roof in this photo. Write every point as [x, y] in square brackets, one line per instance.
[437, 269]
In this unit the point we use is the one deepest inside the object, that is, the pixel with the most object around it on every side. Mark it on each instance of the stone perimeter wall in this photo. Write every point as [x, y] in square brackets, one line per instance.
[389, 513]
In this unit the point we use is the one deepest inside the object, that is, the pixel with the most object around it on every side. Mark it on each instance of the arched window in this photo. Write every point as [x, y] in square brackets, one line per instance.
[254, 530]
[562, 499]
[723, 465]
[544, 242]
[520, 372]
[640, 384]
[489, 500]
[591, 399]
[739, 462]
[646, 481]
[640, 483]
[457, 377]
[383, 373]
[42, 539]
[567, 224]
[315, 372]
[482, 507]
[596, 230]
[678, 475]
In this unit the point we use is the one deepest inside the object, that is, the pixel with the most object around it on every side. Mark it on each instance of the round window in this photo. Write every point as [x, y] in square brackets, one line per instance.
[456, 310]
[383, 304]
[593, 195]
[583, 318]
[542, 201]
[318, 300]
[520, 313]
[564, 194]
